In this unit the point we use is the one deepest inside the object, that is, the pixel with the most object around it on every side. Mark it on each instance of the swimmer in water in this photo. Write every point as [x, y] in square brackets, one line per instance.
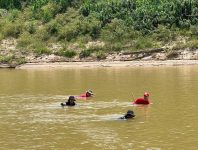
[129, 115]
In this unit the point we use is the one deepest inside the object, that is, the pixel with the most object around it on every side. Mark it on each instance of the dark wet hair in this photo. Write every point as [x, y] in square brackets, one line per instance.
[129, 114]
[71, 98]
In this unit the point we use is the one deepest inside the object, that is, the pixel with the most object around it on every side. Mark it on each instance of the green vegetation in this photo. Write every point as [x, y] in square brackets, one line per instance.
[127, 25]
[6, 59]
[100, 55]
[66, 53]
[12, 60]
[85, 53]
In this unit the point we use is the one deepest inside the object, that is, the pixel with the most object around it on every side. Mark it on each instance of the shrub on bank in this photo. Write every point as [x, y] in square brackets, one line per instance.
[13, 15]
[83, 40]
[1, 36]
[48, 11]
[193, 44]
[69, 32]
[30, 26]
[11, 59]
[53, 28]
[42, 34]
[194, 30]
[6, 59]
[66, 53]
[100, 55]
[85, 53]
[117, 46]
[179, 46]
[25, 40]
[144, 43]
[12, 29]
[40, 48]
[115, 31]
[91, 26]
[20, 60]
[163, 34]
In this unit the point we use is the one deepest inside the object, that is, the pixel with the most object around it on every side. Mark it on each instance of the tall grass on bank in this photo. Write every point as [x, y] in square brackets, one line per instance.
[11, 59]
[66, 53]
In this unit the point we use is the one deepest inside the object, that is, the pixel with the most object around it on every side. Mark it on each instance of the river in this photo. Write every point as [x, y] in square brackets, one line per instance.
[32, 118]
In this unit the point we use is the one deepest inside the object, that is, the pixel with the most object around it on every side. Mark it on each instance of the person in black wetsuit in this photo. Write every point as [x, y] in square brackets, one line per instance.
[70, 102]
[129, 115]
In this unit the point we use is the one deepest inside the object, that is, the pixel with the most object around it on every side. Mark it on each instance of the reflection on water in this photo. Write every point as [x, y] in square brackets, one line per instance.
[32, 118]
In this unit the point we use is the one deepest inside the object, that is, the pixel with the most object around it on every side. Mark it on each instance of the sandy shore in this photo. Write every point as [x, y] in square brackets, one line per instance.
[107, 64]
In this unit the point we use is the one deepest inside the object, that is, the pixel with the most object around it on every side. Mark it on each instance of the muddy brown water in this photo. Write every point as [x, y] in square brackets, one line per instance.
[31, 116]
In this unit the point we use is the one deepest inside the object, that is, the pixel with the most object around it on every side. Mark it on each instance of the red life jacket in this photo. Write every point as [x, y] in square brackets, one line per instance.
[141, 101]
[83, 95]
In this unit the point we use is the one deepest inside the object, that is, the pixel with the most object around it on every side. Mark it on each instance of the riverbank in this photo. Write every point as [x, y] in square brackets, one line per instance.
[106, 64]
[153, 57]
